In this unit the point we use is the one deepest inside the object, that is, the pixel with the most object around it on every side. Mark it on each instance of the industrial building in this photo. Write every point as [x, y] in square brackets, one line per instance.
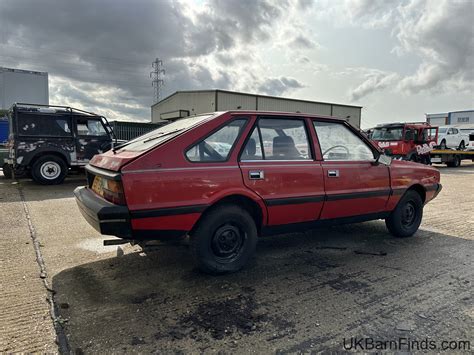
[187, 103]
[451, 118]
[18, 85]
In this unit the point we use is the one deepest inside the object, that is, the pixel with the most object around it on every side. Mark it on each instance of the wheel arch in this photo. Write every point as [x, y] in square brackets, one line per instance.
[240, 200]
[55, 153]
[419, 189]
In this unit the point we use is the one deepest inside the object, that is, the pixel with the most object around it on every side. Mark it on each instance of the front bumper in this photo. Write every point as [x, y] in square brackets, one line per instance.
[107, 218]
[439, 187]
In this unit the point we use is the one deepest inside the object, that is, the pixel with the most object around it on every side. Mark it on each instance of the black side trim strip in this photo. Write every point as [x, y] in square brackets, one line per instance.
[294, 200]
[399, 191]
[269, 230]
[168, 211]
[352, 195]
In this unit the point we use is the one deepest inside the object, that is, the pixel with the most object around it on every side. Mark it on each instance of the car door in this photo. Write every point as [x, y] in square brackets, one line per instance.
[450, 138]
[456, 137]
[91, 138]
[354, 183]
[278, 164]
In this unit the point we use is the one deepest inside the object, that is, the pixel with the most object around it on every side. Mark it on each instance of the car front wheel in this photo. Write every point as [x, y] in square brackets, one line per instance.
[224, 240]
[49, 170]
[443, 144]
[406, 217]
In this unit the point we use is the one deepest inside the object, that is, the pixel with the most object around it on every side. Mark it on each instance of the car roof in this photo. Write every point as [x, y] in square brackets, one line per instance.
[276, 114]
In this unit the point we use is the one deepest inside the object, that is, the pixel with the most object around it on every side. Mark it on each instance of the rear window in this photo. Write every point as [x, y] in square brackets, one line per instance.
[164, 133]
[44, 125]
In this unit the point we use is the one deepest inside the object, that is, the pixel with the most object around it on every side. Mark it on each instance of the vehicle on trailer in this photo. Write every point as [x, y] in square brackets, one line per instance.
[452, 137]
[468, 130]
[45, 141]
[174, 182]
[406, 141]
[450, 157]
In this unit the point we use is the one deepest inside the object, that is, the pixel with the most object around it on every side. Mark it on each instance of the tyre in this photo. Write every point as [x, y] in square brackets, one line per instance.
[224, 240]
[49, 170]
[462, 146]
[443, 144]
[406, 217]
[7, 171]
[455, 163]
[413, 157]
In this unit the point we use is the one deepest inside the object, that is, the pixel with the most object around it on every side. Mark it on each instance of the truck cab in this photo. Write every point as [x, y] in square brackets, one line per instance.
[46, 141]
[406, 141]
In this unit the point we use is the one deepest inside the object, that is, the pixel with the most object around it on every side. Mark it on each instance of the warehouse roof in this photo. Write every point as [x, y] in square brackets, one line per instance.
[11, 70]
[248, 94]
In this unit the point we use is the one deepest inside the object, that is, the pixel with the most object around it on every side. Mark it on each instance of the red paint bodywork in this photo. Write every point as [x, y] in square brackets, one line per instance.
[162, 178]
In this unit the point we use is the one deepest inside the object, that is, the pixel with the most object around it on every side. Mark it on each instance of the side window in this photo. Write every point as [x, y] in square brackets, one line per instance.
[218, 145]
[338, 142]
[42, 125]
[278, 139]
[455, 131]
[450, 131]
[87, 127]
[253, 148]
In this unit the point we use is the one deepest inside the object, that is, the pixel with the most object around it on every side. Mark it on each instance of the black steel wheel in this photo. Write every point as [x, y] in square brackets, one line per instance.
[443, 144]
[462, 146]
[224, 240]
[406, 218]
[227, 242]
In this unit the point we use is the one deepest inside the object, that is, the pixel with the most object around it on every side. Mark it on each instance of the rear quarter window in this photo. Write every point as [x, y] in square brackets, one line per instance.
[217, 146]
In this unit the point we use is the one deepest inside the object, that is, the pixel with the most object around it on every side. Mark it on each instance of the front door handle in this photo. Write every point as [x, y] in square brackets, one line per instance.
[256, 175]
[333, 173]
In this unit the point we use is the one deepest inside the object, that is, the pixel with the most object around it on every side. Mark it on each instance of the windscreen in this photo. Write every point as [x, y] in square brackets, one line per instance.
[442, 130]
[161, 134]
[387, 133]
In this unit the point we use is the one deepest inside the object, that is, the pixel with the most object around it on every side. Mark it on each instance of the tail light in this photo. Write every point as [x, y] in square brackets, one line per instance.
[111, 190]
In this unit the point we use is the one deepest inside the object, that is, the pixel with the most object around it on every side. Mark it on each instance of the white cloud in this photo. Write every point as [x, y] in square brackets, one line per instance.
[440, 33]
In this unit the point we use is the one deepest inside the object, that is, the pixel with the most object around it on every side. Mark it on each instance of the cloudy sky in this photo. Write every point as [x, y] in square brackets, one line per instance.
[398, 59]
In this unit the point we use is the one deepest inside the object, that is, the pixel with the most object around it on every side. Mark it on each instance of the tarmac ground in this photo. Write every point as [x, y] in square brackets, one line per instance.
[321, 290]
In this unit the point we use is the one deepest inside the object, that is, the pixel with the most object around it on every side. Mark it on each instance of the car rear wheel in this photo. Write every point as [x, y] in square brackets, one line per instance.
[49, 170]
[406, 217]
[224, 240]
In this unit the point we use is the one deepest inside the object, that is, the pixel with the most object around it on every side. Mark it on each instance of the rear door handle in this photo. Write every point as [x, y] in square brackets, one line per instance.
[256, 175]
[333, 173]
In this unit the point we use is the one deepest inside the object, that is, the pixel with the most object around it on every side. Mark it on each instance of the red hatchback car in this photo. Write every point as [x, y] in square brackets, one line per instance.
[228, 177]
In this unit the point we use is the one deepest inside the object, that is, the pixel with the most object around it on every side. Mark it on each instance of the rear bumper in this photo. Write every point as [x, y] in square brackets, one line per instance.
[107, 218]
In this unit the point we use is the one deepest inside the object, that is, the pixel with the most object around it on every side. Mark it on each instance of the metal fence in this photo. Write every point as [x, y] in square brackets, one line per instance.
[129, 130]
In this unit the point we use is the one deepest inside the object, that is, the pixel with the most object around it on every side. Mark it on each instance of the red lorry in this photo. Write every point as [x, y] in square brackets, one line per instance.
[406, 141]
